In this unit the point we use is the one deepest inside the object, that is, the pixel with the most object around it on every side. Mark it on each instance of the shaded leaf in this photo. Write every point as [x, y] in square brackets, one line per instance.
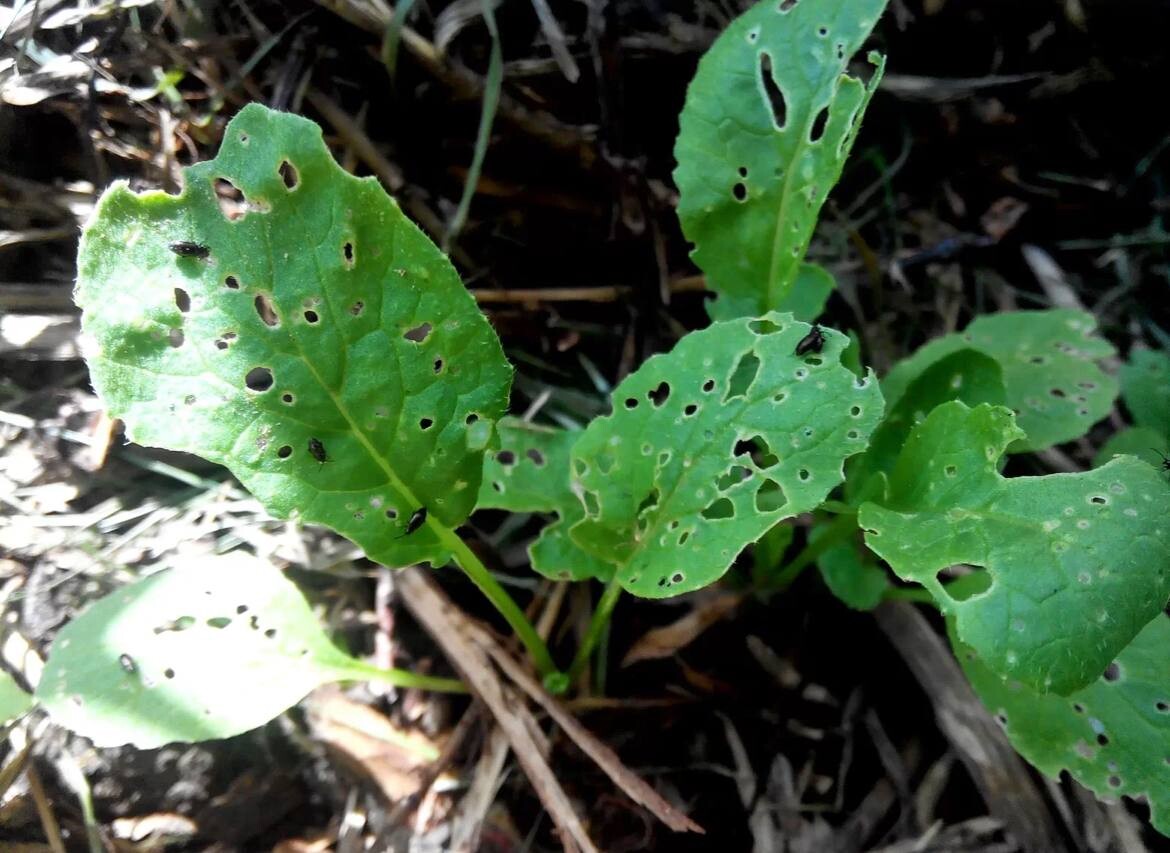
[1146, 444]
[1050, 371]
[1079, 563]
[1145, 387]
[1113, 736]
[193, 653]
[712, 444]
[530, 473]
[852, 576]
[314, 341]
[769, 119]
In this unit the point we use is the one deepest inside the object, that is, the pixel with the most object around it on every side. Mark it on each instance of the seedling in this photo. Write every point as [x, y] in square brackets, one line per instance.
[293, 329]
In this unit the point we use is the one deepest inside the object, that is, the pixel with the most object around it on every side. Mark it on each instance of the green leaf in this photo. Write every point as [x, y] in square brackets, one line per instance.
[769, 119]
[852, 576]
[967, 375]
[14, 701]
[1050, 372]
[324, 350]
[806, 300]
[193, 653]
[530, 473]
[711, 445]
[1145, 387]
[1146, 444]
[1079, 562]
[1113, 736]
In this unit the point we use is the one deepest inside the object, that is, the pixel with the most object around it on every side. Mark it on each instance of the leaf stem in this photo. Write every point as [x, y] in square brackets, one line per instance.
[597, 627]
[833, 533]
[909, 593]
[404, 678]
[503, 602]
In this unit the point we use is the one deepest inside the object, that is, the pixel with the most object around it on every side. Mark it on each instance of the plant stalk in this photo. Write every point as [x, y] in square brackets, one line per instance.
[597, 627]
[513, 615]
[837, 530]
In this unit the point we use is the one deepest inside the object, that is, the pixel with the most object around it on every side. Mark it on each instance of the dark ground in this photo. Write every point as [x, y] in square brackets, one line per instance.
[1038, 124]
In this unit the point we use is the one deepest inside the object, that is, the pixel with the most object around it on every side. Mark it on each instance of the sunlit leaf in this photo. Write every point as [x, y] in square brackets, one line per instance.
[307, 336]
[711, 445]
[769, 119]
[1079, 563]
[193, 653]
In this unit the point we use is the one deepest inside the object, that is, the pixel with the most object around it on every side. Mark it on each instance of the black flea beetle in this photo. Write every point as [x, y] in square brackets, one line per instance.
[127, 663]
[417, 519]
[814, 341]
[317, 450]
[187, 249]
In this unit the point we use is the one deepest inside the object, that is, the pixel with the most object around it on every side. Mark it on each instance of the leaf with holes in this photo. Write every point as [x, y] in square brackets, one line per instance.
[310, 338]
[1079, 563]
[1113, 736]
[14, 701]
[1145, 387]
[967, 375]
[193, 653]
[769, 119]
[1050, 371]
[530, 473]
[711, 445]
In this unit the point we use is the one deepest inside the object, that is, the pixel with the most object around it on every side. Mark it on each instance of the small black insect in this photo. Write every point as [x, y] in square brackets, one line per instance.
[1165, 460]
[187, 249]
[317, 450]
[128, 664]
[814, 341]
[417, 518]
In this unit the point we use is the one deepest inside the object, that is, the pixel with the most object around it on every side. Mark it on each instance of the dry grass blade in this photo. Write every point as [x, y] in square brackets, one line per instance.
[636, 788]
[450, 629]
[665, 641]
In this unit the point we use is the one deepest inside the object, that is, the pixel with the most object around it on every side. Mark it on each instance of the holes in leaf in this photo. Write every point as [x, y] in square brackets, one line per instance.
[818, 126]
[743, 172]
[855, 411]
[804, 475]
[1099, 500]
[742, 377]
[1162, 706]
[506, 457]
[189, 400]
[822, 31]
[719, 509]
[950, 470]
[175, 338]
[425, 423]
[733, 476]
[773, 96]
[311, 317]
[231, 283]
[231, 201]
[1112, 673]
[1114, 781]
[690, 409]
[663, 458]
[683, 537]
[265, 310]
[739, 191]
[605, 462]
[288, 174]
[287, 398]
[786, 6]
[168, 673]
[438, 365]
[535, 455]
[218, 622]
[471, 418]
[182, 300]
[592, 507]
[1056, 392]
[357, 308]
[181, 624]
[391, 513]
[770, 496]
[631, 403]
[284, 452]
[258, 379]
[765, 327]
[419, 333]
[708, 386]
[659, 395]
[648, 502]
[347, 253]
